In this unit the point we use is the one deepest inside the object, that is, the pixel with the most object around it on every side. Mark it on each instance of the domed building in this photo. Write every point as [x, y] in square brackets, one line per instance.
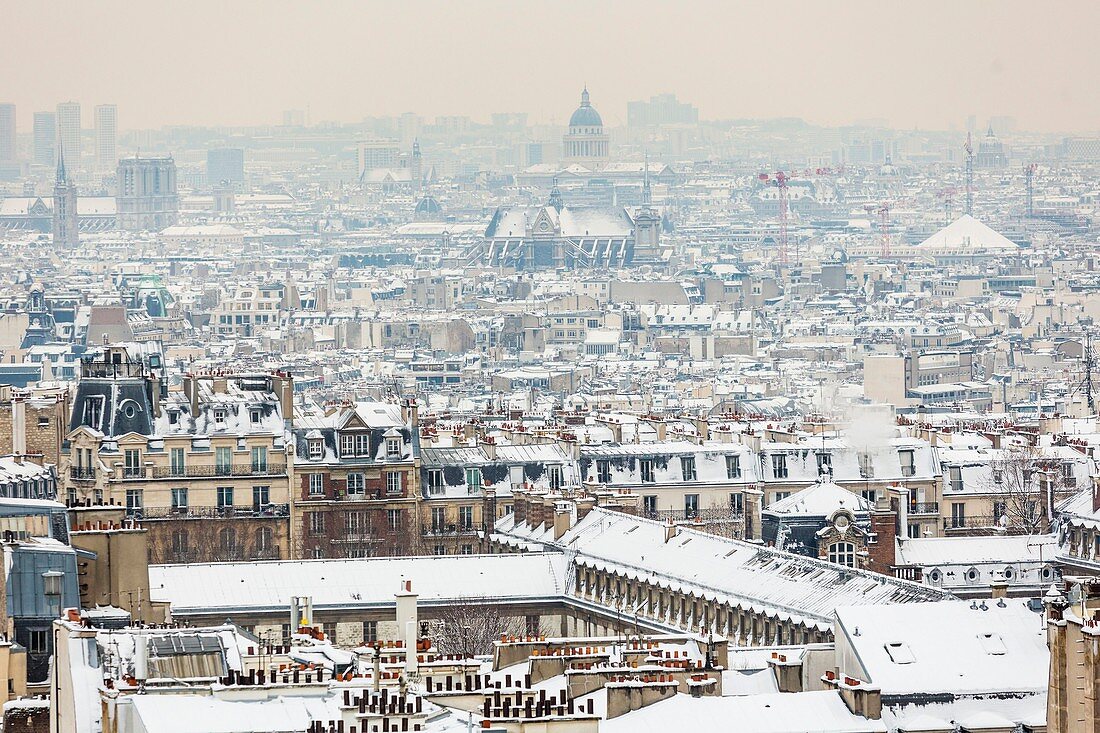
[586, 143]
[428, 208]
[991, 152]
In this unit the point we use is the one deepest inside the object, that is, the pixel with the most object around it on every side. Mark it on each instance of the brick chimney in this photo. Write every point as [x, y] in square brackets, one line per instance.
[882, 547]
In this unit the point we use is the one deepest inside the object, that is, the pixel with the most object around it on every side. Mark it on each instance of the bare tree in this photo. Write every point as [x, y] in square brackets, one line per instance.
[471, 625]
[1025, 481]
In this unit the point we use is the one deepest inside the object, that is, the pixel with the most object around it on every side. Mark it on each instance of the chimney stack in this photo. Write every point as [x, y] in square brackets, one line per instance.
[18, 426]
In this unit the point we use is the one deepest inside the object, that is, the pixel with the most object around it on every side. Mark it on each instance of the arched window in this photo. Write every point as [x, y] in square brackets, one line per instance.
[843, 553]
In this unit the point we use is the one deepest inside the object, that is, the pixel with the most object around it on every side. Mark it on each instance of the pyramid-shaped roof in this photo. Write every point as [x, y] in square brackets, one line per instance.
[966, 234]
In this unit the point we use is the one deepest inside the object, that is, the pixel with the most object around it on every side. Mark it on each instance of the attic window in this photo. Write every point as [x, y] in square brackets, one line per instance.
[393, 447]
[992, 644]
[219, 415]
[316, 448]
[900, 653]
[173, 417]
[255, 414]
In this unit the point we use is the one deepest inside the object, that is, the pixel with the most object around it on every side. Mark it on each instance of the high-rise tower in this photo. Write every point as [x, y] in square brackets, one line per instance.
[45, 138]
[68, 133]
[106, 137]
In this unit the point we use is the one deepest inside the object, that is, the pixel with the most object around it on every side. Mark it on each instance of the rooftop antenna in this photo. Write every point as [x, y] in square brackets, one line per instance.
[969, 148]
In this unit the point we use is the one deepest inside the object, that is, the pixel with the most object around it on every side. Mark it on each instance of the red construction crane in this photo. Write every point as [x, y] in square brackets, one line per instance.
[779, 179]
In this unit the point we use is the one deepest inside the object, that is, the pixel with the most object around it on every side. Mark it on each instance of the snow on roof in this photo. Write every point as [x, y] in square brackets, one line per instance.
[952, 647]
[804, 712]
[968, 234]
[1005, 549]
[820, 500]
[214, 588]
[205, 714]
[739, 573]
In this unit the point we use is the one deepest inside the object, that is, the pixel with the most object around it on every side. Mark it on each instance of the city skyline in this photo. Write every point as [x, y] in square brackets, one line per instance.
[835, 64]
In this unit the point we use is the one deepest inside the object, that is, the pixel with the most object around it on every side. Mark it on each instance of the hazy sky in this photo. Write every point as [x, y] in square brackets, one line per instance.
[928, 63]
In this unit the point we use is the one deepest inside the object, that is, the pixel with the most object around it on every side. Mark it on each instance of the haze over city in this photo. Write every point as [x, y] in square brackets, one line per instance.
[549, 367]
[241, 63]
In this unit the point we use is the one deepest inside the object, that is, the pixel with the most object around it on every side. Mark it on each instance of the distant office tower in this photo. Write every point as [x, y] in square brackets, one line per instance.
[375, 154]
[45, 138]
[409, 125]
[294, 118]
[66, 223]
[224, 165]
[106, 137]
[68, 134]
[147, 197]
[7, 133]
[662, 109]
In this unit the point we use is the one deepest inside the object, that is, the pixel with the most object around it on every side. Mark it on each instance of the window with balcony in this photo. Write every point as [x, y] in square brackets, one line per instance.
[223, 460]
[132, 467]
[439, 519]
[465, 518]
[133, 501]
[259, 459]
[261, 497]
[691, 505]
[357, 484]
[176, 461]
[179, 500]
[225, 497]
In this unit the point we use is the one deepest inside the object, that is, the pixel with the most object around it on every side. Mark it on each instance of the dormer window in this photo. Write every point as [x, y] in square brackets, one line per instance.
[255, 415]
[220, 414]
[316, 449]
[393, 447]
[173, 417]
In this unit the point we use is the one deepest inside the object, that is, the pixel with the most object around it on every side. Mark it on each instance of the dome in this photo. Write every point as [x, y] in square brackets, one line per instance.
[428, 205]
[586, 115]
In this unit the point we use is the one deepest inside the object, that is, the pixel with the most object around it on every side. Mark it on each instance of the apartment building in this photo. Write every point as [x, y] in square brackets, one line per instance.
[356, 486]
[206, 470]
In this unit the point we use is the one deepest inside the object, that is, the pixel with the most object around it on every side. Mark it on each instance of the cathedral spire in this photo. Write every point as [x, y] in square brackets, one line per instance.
[62, 177]
[647, 196]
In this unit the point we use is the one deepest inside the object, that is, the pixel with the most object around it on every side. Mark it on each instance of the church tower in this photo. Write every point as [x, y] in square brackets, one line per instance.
[65, 221]
[647, 224]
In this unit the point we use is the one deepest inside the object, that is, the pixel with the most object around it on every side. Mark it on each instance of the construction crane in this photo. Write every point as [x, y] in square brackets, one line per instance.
[1029, 178]
[948, 196]
[779, 179]
[883, 211]
[969, 148]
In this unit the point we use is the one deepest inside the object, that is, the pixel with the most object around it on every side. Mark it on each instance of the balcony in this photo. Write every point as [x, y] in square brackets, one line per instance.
[79, 473]
[968, 522]
[713, 514]
[924, 507]
[236, 469]
[267, 511]
[133, 472]
[448, 530]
